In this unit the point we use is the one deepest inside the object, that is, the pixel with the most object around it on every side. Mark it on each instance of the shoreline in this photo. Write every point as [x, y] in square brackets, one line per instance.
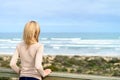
[62, 54]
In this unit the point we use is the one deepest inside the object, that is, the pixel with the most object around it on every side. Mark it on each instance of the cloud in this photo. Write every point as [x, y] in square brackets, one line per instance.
[53, 8]
[87, 13]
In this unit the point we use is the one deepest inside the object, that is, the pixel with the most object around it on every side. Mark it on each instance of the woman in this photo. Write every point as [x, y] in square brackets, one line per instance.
[30, 53]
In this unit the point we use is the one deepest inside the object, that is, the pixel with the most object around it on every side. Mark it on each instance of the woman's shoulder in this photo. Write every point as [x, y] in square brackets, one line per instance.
[40, 44]
[33, 45]
[20, 44]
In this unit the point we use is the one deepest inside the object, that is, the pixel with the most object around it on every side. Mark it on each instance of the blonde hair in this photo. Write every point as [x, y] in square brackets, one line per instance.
[31, 33]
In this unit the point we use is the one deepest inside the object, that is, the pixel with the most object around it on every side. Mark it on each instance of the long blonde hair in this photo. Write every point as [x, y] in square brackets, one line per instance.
[31, 33]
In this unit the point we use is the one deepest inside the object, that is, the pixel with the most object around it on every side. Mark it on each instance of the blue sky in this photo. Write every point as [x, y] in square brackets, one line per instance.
[61, 15]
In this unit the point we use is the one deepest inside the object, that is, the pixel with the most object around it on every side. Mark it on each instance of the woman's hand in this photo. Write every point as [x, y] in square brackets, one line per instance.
[47, 71]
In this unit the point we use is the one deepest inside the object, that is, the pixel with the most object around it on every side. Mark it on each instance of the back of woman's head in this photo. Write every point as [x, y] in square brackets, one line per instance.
[31, 33]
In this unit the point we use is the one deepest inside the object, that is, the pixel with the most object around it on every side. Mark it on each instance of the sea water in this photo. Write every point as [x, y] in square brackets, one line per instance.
[95, 44]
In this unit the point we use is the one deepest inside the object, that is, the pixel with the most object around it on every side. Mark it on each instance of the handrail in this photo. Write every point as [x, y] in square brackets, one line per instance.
[5, 72]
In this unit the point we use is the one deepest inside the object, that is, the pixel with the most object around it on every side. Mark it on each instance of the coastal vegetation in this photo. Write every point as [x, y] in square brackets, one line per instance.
[95, 65]
[105, 66]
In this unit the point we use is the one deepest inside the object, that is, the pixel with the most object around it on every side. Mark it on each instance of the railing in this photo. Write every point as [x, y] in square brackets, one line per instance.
[4, 72]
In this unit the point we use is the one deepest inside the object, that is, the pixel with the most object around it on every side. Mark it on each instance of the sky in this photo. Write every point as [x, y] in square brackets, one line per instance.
[61, 15]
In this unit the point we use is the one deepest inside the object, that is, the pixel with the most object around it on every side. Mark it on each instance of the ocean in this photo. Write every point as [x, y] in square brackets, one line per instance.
[89, 44]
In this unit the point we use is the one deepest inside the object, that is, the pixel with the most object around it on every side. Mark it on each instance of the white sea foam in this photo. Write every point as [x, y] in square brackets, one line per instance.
[45, 42]
[4, 47]
[2, 44]
[16, 39]
[73, 45]
[56, 42]
[97, 48]
[44, 38]
[9, 41]
[13, 47]
[99, 54]
[97, 42]
[56, 47]
[78, 41]
[5, 40]
[117, 48]
[12, 41]
[86, 54]
[65, 39]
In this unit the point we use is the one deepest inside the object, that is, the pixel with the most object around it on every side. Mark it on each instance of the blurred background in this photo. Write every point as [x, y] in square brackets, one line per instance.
[68, 27]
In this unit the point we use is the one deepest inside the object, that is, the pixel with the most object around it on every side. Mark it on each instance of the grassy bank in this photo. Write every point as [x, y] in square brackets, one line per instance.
[105, 66]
